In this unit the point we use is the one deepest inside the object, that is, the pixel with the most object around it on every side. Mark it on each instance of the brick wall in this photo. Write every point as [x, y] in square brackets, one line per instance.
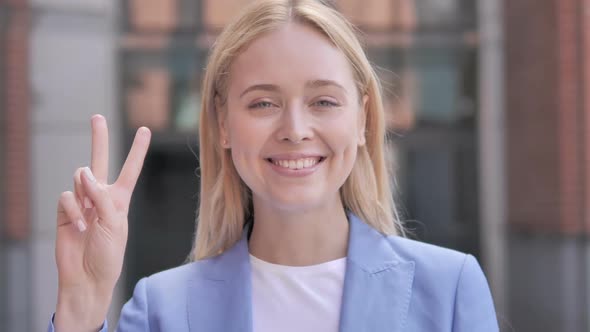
[570, 116]
[16, 121]
[585, 54]
[3, 16]
[546, 133]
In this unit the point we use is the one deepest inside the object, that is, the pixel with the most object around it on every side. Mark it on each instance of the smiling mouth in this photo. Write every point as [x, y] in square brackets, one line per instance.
[296, 164]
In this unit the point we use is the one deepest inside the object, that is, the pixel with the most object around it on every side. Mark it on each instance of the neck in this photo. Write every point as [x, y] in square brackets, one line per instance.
[299, 238]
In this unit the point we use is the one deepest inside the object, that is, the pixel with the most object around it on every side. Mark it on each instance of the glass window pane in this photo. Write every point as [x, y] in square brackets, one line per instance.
[162, 89]
[437, 12]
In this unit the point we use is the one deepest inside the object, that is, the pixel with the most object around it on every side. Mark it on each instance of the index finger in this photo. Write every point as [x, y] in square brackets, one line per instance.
[99, 162]
[134, 162]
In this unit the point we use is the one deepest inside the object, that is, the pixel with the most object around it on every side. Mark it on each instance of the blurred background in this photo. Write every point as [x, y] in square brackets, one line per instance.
[488, 110]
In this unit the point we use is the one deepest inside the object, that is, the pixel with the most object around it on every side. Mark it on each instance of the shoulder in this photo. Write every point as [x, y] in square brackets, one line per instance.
[437, 270]
[168, 286]
[157, 299]
[171, 279]
[451, 281]
[437, 266]
[429, 258]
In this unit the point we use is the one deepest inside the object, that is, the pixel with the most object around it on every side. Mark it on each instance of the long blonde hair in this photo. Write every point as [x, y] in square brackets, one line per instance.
[225, 200]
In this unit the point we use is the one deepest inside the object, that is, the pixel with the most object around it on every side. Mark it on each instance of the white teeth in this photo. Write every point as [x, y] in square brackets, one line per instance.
[297, 163]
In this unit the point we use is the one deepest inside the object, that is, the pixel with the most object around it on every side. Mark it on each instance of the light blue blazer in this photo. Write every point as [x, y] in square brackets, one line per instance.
[391, 284]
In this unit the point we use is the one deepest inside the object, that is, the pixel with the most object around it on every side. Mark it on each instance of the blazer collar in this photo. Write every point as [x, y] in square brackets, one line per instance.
[220, 294]
[377, 284]
[376, 293]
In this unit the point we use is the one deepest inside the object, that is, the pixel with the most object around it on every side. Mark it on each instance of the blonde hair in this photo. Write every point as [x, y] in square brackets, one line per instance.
[225, 200]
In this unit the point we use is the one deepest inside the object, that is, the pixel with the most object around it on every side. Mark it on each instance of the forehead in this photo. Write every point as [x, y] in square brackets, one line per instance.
[293, 54]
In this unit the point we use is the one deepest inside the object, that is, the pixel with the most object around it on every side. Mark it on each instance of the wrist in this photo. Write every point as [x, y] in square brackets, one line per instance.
[81, 310]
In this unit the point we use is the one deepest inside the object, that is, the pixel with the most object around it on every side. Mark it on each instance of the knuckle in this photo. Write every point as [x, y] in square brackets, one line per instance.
[78, 188]
[65, 195]
[78, 171]
[65, 201]
[77, 174]
[102, 190]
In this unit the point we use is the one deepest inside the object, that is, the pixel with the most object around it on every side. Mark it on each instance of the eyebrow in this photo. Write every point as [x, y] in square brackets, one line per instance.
[321, 83]
[308, 84]
[263, 87]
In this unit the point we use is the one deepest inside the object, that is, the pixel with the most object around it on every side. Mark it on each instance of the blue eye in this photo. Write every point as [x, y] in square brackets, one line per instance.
[326, 103]
[262, 104]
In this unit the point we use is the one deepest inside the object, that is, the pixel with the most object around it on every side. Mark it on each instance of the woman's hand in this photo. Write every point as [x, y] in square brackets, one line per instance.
[92, 232]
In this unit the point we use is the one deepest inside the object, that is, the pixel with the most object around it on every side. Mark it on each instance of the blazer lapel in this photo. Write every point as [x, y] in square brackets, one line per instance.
[219, 296]
[377, 284]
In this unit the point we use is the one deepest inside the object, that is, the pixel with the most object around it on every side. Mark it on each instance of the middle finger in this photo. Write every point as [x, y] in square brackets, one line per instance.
[99, 163]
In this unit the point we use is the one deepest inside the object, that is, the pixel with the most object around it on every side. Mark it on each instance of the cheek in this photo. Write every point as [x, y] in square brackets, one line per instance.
[343, 134]
[245, 162]
[246, 142]
[246, 124]
[244, 147]
[244, 134]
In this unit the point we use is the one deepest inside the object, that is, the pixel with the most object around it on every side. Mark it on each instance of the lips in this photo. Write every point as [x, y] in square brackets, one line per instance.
[297, 163]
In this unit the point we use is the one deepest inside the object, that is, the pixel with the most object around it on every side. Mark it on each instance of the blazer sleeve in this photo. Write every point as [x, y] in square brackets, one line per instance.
[474, 307]
[51, 328]
[134, 315]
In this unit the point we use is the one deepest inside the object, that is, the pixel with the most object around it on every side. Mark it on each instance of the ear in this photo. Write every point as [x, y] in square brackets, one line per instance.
[221, 113]
[362, 123]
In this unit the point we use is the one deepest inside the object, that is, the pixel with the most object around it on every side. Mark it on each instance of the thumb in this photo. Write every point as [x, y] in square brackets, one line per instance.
[99, 195]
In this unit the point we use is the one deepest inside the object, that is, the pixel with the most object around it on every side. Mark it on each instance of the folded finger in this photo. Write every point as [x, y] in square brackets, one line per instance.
[68, 206]
[99, 195]
[79, 190]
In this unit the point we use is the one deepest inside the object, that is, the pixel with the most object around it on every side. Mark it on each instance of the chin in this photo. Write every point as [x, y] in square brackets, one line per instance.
[298, 201]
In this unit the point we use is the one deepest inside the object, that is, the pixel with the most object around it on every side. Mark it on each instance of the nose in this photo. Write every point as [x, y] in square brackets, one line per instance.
[295, 125]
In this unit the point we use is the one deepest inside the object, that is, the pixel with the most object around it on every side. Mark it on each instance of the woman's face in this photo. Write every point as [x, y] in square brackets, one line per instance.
[293, 119]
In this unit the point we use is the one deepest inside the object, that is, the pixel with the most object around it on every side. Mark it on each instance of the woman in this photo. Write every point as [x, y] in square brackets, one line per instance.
[296, 229]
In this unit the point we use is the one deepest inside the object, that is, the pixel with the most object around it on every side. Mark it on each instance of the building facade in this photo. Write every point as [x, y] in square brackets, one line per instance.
[488, 115]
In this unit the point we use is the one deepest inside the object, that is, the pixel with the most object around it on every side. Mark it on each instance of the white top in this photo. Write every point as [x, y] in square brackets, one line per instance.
[296, 298]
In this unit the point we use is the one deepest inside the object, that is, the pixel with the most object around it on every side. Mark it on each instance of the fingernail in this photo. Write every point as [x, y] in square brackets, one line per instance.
[88, 203]
[81, 225]
[88, 174]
